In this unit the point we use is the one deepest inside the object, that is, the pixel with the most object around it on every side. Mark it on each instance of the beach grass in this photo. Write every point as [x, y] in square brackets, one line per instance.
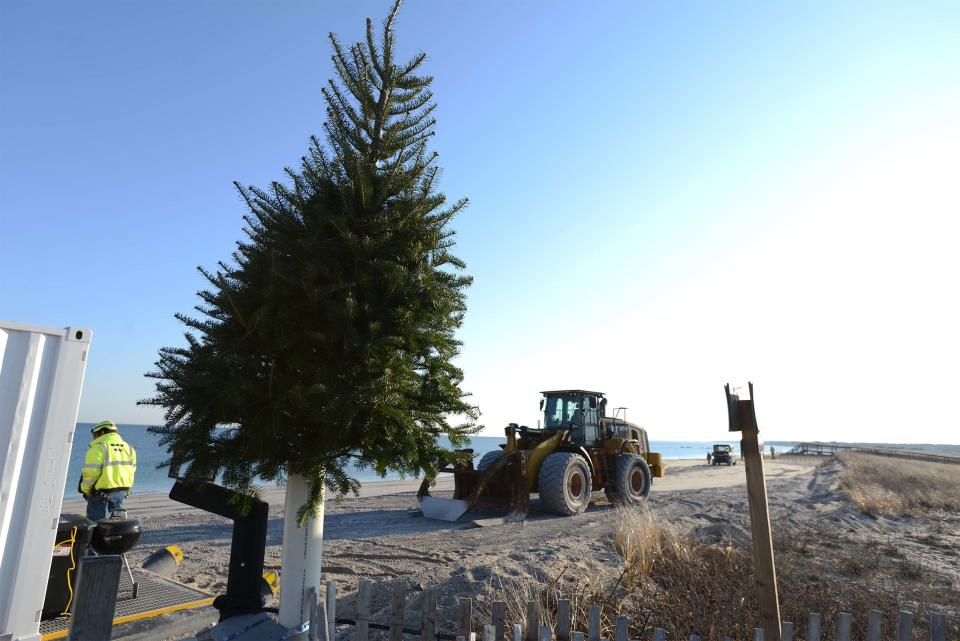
[881, 485]
[685, 585]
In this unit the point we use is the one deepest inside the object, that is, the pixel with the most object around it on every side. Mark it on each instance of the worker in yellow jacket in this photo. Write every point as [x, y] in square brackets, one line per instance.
[108, 471]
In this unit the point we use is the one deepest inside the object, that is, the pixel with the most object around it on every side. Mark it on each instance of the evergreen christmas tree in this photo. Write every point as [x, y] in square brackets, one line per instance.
[327, 340]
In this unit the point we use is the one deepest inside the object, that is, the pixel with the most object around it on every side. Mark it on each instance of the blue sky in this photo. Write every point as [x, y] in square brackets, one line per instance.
[664, 195]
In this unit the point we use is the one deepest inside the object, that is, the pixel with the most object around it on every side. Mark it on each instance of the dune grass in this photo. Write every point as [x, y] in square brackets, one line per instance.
[686, 586]
[899, 487]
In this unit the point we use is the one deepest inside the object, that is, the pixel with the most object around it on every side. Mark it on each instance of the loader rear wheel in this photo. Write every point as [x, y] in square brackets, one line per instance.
[631, 482]
[565, 483]
[487, 459]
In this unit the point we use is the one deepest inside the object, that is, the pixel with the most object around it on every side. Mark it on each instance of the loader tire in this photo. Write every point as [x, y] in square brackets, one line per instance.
[487, 459]
[564, 483]
[631, 482]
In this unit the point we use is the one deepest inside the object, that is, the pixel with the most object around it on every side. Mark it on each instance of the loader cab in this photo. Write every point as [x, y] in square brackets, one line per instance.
[577, 410]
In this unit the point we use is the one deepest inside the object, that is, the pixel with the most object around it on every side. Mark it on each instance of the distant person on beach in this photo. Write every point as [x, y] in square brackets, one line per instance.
[773, 452]
[709, 456]
[108, 471]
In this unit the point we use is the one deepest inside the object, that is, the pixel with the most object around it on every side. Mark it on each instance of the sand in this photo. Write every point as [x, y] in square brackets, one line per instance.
[382, 536]
[682, 475]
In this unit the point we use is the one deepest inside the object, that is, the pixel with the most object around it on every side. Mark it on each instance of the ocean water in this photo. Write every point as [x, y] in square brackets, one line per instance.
[152, 480]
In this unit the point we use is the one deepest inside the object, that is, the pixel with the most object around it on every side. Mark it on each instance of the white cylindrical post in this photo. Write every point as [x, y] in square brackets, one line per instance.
[300, 564]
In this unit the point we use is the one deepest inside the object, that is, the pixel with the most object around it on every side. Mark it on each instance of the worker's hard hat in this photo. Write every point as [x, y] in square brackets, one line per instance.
[104, 426]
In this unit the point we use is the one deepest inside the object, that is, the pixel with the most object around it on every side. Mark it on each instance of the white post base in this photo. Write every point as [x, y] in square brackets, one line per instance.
[300, 565]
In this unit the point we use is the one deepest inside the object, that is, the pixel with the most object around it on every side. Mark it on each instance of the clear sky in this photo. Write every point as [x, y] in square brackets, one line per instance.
[665, 196]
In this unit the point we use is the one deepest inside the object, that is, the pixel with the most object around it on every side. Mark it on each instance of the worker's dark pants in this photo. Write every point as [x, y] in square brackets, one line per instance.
[101, 504]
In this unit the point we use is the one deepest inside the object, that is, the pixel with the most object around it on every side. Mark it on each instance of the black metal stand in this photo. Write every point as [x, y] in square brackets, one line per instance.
[246, 549]
[136, 584]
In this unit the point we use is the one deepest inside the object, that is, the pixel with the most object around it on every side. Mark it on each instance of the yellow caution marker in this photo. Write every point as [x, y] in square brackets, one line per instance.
[270, 584]
[164, 562]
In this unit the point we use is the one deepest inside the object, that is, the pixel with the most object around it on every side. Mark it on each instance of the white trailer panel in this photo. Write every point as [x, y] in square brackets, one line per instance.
[41, 375]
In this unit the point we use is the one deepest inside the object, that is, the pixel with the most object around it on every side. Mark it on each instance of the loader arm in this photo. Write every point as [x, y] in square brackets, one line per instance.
[537, 455]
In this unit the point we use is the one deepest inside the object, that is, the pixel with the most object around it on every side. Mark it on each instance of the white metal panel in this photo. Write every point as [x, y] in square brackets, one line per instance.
[41, 375]
[302, 552]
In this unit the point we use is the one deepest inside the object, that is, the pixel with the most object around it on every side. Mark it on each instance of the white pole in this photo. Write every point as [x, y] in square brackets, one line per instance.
[300, 564]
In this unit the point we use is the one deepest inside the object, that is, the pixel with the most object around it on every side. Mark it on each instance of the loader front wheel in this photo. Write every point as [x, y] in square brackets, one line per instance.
[564, 483]
[632, 480]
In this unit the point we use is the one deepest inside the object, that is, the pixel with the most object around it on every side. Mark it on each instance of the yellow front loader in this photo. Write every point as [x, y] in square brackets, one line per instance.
[578, 450]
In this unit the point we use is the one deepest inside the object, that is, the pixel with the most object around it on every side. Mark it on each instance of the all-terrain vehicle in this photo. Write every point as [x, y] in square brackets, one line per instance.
[723, 455]
[578, 450]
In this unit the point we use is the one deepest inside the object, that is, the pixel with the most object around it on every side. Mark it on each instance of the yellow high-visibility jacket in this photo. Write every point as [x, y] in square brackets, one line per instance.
[110, 464]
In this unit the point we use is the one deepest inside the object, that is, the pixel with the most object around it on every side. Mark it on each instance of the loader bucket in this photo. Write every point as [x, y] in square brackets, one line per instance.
[443, 509]
[503, 485]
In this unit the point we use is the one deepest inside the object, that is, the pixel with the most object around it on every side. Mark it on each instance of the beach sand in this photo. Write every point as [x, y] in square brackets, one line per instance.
[383, 537]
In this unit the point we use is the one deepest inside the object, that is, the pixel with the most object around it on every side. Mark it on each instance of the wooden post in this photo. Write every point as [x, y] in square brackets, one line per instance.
[938, 627]
[489, 632]
[313, 612]
[322, 628]
[546, 634]
[428, 618]
[500, 619]
[743, 418]
[317, 612]
[398, 607]
[813, 627]
[593, 623]
[762, 537]
[312, 634]
[563, 620]
[758, 634]
[578, 636]
[361, 631]
[622, 630]
[465, 618]
[904, 626]
[331, 610]
[786, 631]
[95, 598]
[533, 621]
[517, 632]
[659, 634]
[874, 619]
[844, 623]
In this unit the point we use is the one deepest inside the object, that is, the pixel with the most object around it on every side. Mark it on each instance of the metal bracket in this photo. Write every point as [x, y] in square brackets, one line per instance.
[741, 413]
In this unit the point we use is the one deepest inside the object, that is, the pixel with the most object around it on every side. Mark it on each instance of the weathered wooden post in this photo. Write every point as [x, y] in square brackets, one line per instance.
[743, 419]
[98, 579]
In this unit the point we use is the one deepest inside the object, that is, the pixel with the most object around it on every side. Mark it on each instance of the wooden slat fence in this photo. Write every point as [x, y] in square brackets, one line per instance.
[324, 622]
